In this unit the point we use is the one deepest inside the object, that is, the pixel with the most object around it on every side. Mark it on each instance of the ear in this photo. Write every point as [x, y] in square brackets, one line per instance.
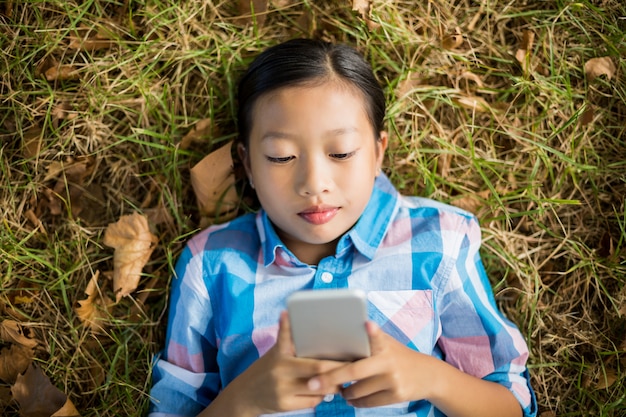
[245, 159]
[381, 146]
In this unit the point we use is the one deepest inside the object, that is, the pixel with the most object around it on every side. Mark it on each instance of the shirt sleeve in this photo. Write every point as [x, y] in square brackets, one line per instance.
[184, 375]
[475, 336]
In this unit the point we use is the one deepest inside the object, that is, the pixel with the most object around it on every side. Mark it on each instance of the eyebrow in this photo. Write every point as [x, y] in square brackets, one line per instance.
[277, 135]
[333, 132]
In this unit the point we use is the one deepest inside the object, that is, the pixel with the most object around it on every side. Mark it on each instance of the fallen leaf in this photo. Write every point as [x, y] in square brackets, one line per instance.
[32, 217]
[364, 9]
[201, 131]
[596, 67]
[13, 361]
[62, 73]
[607, 379]
[587, 116]
[62, 111]
[468, 75]
[32, 140]
[282, 3]
[472, 202]
[13, 332]
[523, 54]
[452, 41]
[133, 243]
[473, 103]
[407, 85]
[252, 10]
[68, 410]
[5, 396]
[306, 22]
[86, 39]
[37, 396]
[94, 310]
[213, 182]
[69, 187]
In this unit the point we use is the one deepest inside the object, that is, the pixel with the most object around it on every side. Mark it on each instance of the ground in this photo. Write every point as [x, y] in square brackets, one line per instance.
[514, 110]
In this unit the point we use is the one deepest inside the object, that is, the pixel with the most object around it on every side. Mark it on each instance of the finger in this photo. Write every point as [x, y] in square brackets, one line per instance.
[283, 340]
[377, 399]
[338, 377]
[376, 337]
[363, 388]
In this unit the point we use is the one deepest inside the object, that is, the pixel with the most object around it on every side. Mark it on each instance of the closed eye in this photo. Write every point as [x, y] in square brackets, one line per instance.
[342, 156]
[279, 159]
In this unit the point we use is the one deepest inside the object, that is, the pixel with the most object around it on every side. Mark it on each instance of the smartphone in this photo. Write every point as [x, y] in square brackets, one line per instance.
[329, 324]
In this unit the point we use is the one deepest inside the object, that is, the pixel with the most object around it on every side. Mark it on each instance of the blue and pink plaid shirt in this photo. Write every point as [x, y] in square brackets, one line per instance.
[418, 261]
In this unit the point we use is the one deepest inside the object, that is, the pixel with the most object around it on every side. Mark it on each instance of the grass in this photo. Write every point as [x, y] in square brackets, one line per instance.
[542, 161]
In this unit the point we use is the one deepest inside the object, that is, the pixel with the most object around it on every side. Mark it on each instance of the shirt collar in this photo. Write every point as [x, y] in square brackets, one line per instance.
[366, 235]
[372, 226]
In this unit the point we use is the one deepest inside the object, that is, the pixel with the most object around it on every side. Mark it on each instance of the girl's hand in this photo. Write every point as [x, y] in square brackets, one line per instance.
[277, 381]
[393, 373]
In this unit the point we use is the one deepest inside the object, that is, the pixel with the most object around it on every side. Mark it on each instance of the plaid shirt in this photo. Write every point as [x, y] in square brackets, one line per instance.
[418, 261]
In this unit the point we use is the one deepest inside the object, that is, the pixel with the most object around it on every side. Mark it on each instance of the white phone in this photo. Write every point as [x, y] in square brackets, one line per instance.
[329, 324]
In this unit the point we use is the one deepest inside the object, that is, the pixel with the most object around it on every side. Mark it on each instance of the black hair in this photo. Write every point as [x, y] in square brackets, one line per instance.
[305, 61]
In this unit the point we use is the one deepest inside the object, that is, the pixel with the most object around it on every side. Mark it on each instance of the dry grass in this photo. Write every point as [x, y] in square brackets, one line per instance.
[536, 148]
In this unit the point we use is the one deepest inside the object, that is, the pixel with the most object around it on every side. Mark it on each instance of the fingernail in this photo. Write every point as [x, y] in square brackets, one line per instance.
[314, 384]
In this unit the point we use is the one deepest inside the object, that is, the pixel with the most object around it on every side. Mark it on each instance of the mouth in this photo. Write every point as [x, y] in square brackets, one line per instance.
[319, 214]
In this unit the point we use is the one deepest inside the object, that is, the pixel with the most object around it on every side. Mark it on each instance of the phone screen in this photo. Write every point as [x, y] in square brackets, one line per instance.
[329, 324]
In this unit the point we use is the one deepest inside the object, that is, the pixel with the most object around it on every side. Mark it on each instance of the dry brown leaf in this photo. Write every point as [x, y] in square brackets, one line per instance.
[405, 86]
[62, 73]
[587, 116]
[13, 361]
[306, 22]
[5, 396]
[523, 54]
[94, 310]
[13, 332]
[472, 202]
[596, 67]
[364, 8]
[453, 40]
[282, 3]
[35, 221]
[251, 10]
[608, 378]
[201, 131]
[85, 39]
[37, 396]
[133, 243]
[69, 187]
[468, 75]
[68, 410]
[32, 140]
[213, 182]
[473, 103]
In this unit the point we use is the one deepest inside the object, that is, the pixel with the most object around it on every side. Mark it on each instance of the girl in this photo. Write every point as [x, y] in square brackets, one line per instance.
[312, 142]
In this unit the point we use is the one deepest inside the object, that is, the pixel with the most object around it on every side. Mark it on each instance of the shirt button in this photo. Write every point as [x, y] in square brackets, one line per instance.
[328, 397]
[327, 277]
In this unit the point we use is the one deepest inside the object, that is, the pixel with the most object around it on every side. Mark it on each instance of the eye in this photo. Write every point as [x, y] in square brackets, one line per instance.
[342, 156]
[279, 160]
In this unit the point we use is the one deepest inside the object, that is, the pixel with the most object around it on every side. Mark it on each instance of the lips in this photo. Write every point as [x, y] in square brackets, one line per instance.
[319, 214]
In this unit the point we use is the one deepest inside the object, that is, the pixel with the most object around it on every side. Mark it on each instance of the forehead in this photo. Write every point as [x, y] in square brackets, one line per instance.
[326, 102]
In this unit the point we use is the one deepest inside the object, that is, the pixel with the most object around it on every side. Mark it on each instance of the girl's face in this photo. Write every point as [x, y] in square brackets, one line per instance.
[312, 158]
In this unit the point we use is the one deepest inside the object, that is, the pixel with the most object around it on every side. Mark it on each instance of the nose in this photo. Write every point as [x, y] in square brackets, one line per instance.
[313, 177]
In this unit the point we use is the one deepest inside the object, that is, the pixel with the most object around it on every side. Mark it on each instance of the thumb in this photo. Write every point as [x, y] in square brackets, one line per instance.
[283, 340]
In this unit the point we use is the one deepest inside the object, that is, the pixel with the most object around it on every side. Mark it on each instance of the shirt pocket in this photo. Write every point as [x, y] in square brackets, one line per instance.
[407, 315]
